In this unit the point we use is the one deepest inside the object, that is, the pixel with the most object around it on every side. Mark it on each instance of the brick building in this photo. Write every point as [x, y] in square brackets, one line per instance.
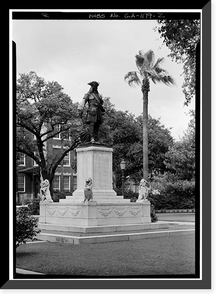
[28, 173]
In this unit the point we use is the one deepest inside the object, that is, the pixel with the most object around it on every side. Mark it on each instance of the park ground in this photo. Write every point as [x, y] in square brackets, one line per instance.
[170, 255]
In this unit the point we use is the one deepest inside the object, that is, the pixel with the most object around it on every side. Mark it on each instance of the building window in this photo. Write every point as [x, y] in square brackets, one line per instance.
[21, 183]
[66, 183]
[56, 153]
[66, 160]
[57, 128]
[64, 135]
[21, 161]
[56, 182]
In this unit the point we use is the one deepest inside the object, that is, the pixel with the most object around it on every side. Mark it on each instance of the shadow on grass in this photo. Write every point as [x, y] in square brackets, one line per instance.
[23, 254]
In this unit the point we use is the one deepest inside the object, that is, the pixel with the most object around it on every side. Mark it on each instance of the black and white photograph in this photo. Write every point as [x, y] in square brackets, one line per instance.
[107, 146]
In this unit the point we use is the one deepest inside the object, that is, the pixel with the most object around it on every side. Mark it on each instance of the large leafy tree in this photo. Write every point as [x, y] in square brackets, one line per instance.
[120, 130]
[160, 141]
[43, 111]
[182, 37]
[149, 69]
[124, 132]
[180, 159]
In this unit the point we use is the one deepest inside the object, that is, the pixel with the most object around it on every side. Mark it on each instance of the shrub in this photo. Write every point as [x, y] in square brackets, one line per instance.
[34, 206]
[153, 214]
[174, 193]
[58, 195]
[130, 195]
[26, 226]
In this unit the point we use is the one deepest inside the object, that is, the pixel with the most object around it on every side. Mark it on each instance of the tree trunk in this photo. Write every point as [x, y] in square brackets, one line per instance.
[145, 90]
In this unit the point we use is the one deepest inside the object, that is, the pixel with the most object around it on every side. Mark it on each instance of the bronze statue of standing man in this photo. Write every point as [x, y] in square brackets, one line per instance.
[95, 110]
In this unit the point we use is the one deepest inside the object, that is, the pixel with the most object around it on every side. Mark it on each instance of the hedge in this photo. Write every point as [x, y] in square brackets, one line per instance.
[172, 195]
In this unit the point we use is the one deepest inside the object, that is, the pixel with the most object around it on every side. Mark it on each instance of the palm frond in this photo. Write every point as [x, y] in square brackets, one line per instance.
[148, 69]
[171, 80]
[160, 75]
[149, 56]
[159, 70]
[166, 79]
[139, 60]
[158, 62]
[132, 78]
[141, 52]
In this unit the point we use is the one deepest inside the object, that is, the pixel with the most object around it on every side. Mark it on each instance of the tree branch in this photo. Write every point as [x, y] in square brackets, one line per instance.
[55, 133]
[28, 153]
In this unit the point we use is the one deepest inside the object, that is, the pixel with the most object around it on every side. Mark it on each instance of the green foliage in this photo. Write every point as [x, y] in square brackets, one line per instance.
[149, 69]
[153, 214]
[181, 37]
[180, 159]
[39, 102]
[178, 194]
[26, 226]
[58, 195]
[123, 131]
[43, 110]
[33, 205]
[160, 140]
[177, 185]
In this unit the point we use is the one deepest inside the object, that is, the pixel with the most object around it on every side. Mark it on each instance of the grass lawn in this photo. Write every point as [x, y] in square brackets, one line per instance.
[173, 255]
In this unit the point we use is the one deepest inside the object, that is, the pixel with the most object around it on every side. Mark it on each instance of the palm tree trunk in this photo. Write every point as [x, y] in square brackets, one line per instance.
[145, 89]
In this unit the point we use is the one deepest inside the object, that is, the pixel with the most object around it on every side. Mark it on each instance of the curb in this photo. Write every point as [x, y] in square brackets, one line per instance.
[111, 238]
[159, 211]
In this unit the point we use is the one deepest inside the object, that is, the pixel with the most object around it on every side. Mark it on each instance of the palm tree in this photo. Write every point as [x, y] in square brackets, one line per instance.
[148, 70]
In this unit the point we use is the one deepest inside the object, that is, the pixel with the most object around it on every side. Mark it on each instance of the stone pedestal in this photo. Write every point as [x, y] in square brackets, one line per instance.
[94, 161]
[107, 211]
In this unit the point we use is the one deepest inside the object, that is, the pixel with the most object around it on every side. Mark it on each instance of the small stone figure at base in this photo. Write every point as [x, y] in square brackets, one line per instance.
[143, 191]
[88, 195]
[44, 191]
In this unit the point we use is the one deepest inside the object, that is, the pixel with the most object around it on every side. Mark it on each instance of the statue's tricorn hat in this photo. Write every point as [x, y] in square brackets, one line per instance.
[94, 83]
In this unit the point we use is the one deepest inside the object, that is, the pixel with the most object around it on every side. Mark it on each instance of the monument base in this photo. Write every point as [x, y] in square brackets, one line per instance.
[106, 210]
[99, 196]
[94, 214]
[93, 222]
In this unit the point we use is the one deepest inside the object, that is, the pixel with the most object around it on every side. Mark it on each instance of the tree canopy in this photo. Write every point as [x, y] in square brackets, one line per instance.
[148, 68]
[124, 132]
[180, 159]
[43, 111]
[181, 37]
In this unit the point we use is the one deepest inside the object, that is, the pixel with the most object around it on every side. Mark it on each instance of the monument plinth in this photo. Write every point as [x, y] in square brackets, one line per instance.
[94, 161]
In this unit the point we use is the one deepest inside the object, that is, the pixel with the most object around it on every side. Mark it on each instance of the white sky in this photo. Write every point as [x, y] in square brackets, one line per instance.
[75, 52]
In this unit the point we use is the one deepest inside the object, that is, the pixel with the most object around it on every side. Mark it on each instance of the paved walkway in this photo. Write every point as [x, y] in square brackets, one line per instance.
[179, 217]
[22, 271]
